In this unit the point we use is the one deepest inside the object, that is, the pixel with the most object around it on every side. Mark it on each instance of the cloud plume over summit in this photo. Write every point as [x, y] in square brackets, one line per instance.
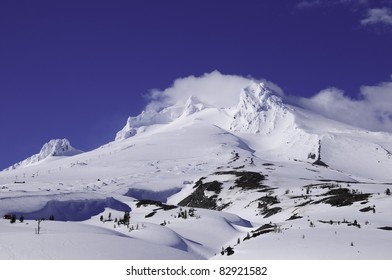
[371, 109]
[211, 88]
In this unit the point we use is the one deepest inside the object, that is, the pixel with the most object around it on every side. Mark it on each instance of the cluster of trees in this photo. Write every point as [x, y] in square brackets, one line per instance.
[13, 218]
[229, 251]
[102, 219]
[185, 214]
[119, 221]
[21, 219]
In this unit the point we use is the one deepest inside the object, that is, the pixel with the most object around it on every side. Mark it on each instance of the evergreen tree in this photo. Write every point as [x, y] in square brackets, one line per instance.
[13, 219]
[229, 251]
[126, 218]
[191, 212]
[21, 219]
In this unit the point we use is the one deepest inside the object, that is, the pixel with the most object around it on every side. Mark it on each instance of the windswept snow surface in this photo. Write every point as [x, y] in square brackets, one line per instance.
[260, 180]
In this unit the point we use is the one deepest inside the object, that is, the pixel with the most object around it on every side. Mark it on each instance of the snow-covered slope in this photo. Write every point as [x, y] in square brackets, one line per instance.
[53, 148]
[261, 179]
[150, 117]
[260, 111]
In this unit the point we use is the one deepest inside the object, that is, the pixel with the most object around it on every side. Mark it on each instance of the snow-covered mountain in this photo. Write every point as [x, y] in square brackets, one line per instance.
[277, 131]
[196, 177]
[53, 148]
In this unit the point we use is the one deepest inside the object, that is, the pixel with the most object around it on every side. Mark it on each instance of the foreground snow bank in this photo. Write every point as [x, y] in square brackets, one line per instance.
[61, 241]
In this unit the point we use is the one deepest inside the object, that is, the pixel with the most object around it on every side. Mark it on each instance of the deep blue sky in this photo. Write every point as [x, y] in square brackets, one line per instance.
[78, 69]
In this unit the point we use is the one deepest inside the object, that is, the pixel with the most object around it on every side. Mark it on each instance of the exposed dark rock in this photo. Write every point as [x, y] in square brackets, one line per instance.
[147, 202]
[342, 197]
[385, 228]
[271, 211]
[246, 180]
[367, 209]
[199, 199]
[320, 163]
[266, 228]
[294, 216]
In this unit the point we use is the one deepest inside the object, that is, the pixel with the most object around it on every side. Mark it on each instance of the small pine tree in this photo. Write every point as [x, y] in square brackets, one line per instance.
[191, 212]
[229, 251]
[21, 219]
[51, 218]
[388, 191]
[13, 219]
[101, 218]
[126, 218]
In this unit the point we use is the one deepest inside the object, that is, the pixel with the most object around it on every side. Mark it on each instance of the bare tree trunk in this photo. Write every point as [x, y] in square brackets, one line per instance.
[38, 227]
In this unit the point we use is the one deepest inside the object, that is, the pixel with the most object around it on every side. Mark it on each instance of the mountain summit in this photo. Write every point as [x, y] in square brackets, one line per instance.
[259, 110]
[53, 148]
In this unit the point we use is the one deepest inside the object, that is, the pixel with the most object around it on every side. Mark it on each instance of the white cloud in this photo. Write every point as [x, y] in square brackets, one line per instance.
[369, 15]
[372, 110]
[378, 15]
[211, 88]
[304, 4]
[308, 4]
